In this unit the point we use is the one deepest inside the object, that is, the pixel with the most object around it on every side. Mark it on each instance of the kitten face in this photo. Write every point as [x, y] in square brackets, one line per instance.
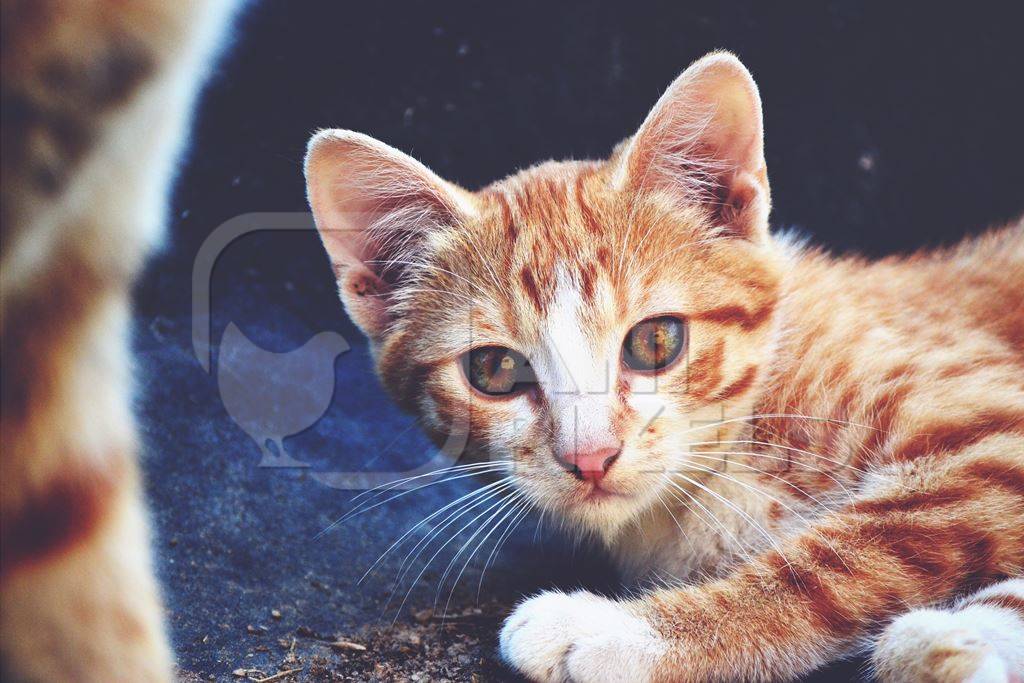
[534, 285]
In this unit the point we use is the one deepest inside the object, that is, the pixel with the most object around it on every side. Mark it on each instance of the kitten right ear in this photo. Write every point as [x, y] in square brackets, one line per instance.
[373, 205]
[704, 142]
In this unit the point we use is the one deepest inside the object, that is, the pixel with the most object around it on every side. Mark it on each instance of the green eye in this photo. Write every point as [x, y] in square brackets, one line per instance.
[654, 343]
[498, 371]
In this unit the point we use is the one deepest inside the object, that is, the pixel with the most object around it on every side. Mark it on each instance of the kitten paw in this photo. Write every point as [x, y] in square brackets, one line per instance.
[579, 637]
[936, 646]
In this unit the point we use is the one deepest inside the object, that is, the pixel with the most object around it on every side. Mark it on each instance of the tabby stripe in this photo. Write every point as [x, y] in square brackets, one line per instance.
[530, 285]
[916, 547]
[1010, 602]
[885, 411]
[706, 370]
[979, 552]
[587, 274]
[1003, 475]
[824, 555]
[825, 607]
[920, 500]
[52, 522]
[947, 437]
[511, 228]
[593, 225]
[738, 387]
[901, 371]
[736, 315]
[955, 557]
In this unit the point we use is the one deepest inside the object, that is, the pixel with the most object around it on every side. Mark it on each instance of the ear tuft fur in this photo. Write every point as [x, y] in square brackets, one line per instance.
[374, 206]
[703, 142]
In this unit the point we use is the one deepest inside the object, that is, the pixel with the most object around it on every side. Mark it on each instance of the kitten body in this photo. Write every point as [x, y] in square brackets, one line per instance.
[839, 443]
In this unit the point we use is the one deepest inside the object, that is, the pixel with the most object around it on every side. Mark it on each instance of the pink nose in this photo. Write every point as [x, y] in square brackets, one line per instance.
[591, 465]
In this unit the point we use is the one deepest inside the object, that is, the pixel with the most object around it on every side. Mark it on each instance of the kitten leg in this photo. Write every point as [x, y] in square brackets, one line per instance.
[980, 639]
[949, 526]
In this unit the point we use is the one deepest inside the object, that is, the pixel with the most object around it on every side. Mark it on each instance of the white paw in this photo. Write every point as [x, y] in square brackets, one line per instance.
[936, 646]
[579, 637]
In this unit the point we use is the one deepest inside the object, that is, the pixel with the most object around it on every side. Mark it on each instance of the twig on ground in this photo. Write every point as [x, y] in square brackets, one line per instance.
[280, 675]
[348, 645]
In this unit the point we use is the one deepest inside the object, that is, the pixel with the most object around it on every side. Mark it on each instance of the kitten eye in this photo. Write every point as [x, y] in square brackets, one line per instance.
[654, 343]
[498, 371]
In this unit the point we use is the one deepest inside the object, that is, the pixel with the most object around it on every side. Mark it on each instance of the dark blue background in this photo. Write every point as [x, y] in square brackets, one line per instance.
[890, 126]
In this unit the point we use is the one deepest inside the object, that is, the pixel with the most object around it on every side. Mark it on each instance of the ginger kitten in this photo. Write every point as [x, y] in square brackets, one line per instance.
[828, 454]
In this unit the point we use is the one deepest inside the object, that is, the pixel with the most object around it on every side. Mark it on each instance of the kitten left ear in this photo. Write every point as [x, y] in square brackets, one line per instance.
[704, 142]
[374, 207]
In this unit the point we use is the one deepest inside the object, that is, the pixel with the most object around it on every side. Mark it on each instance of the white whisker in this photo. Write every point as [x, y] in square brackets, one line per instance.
[769, 457]
[513, 524]
[743, 513]
[772, 498]
[510, 505]
[678, 525]
[470, 495]
[366, 507]
[741, 547]
[436, 473]
[428, 538]
[438, 552]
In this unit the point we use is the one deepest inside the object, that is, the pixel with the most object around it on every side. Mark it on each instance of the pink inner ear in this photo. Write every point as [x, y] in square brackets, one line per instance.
[372, 203]
[363, 292]
[703, 143]
[373, 206]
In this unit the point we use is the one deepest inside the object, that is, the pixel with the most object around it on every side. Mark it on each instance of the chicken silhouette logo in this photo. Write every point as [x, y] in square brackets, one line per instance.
[272, 396]
[275, 395]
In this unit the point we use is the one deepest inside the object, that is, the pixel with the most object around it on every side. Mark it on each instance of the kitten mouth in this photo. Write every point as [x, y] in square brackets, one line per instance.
[596, 493]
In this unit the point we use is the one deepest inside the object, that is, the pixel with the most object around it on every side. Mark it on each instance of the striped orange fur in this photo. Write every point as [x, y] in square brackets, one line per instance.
[843, 445]
[96, 98]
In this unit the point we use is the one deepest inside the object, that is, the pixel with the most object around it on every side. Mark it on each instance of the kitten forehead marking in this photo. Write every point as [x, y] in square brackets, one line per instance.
[576, 367]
